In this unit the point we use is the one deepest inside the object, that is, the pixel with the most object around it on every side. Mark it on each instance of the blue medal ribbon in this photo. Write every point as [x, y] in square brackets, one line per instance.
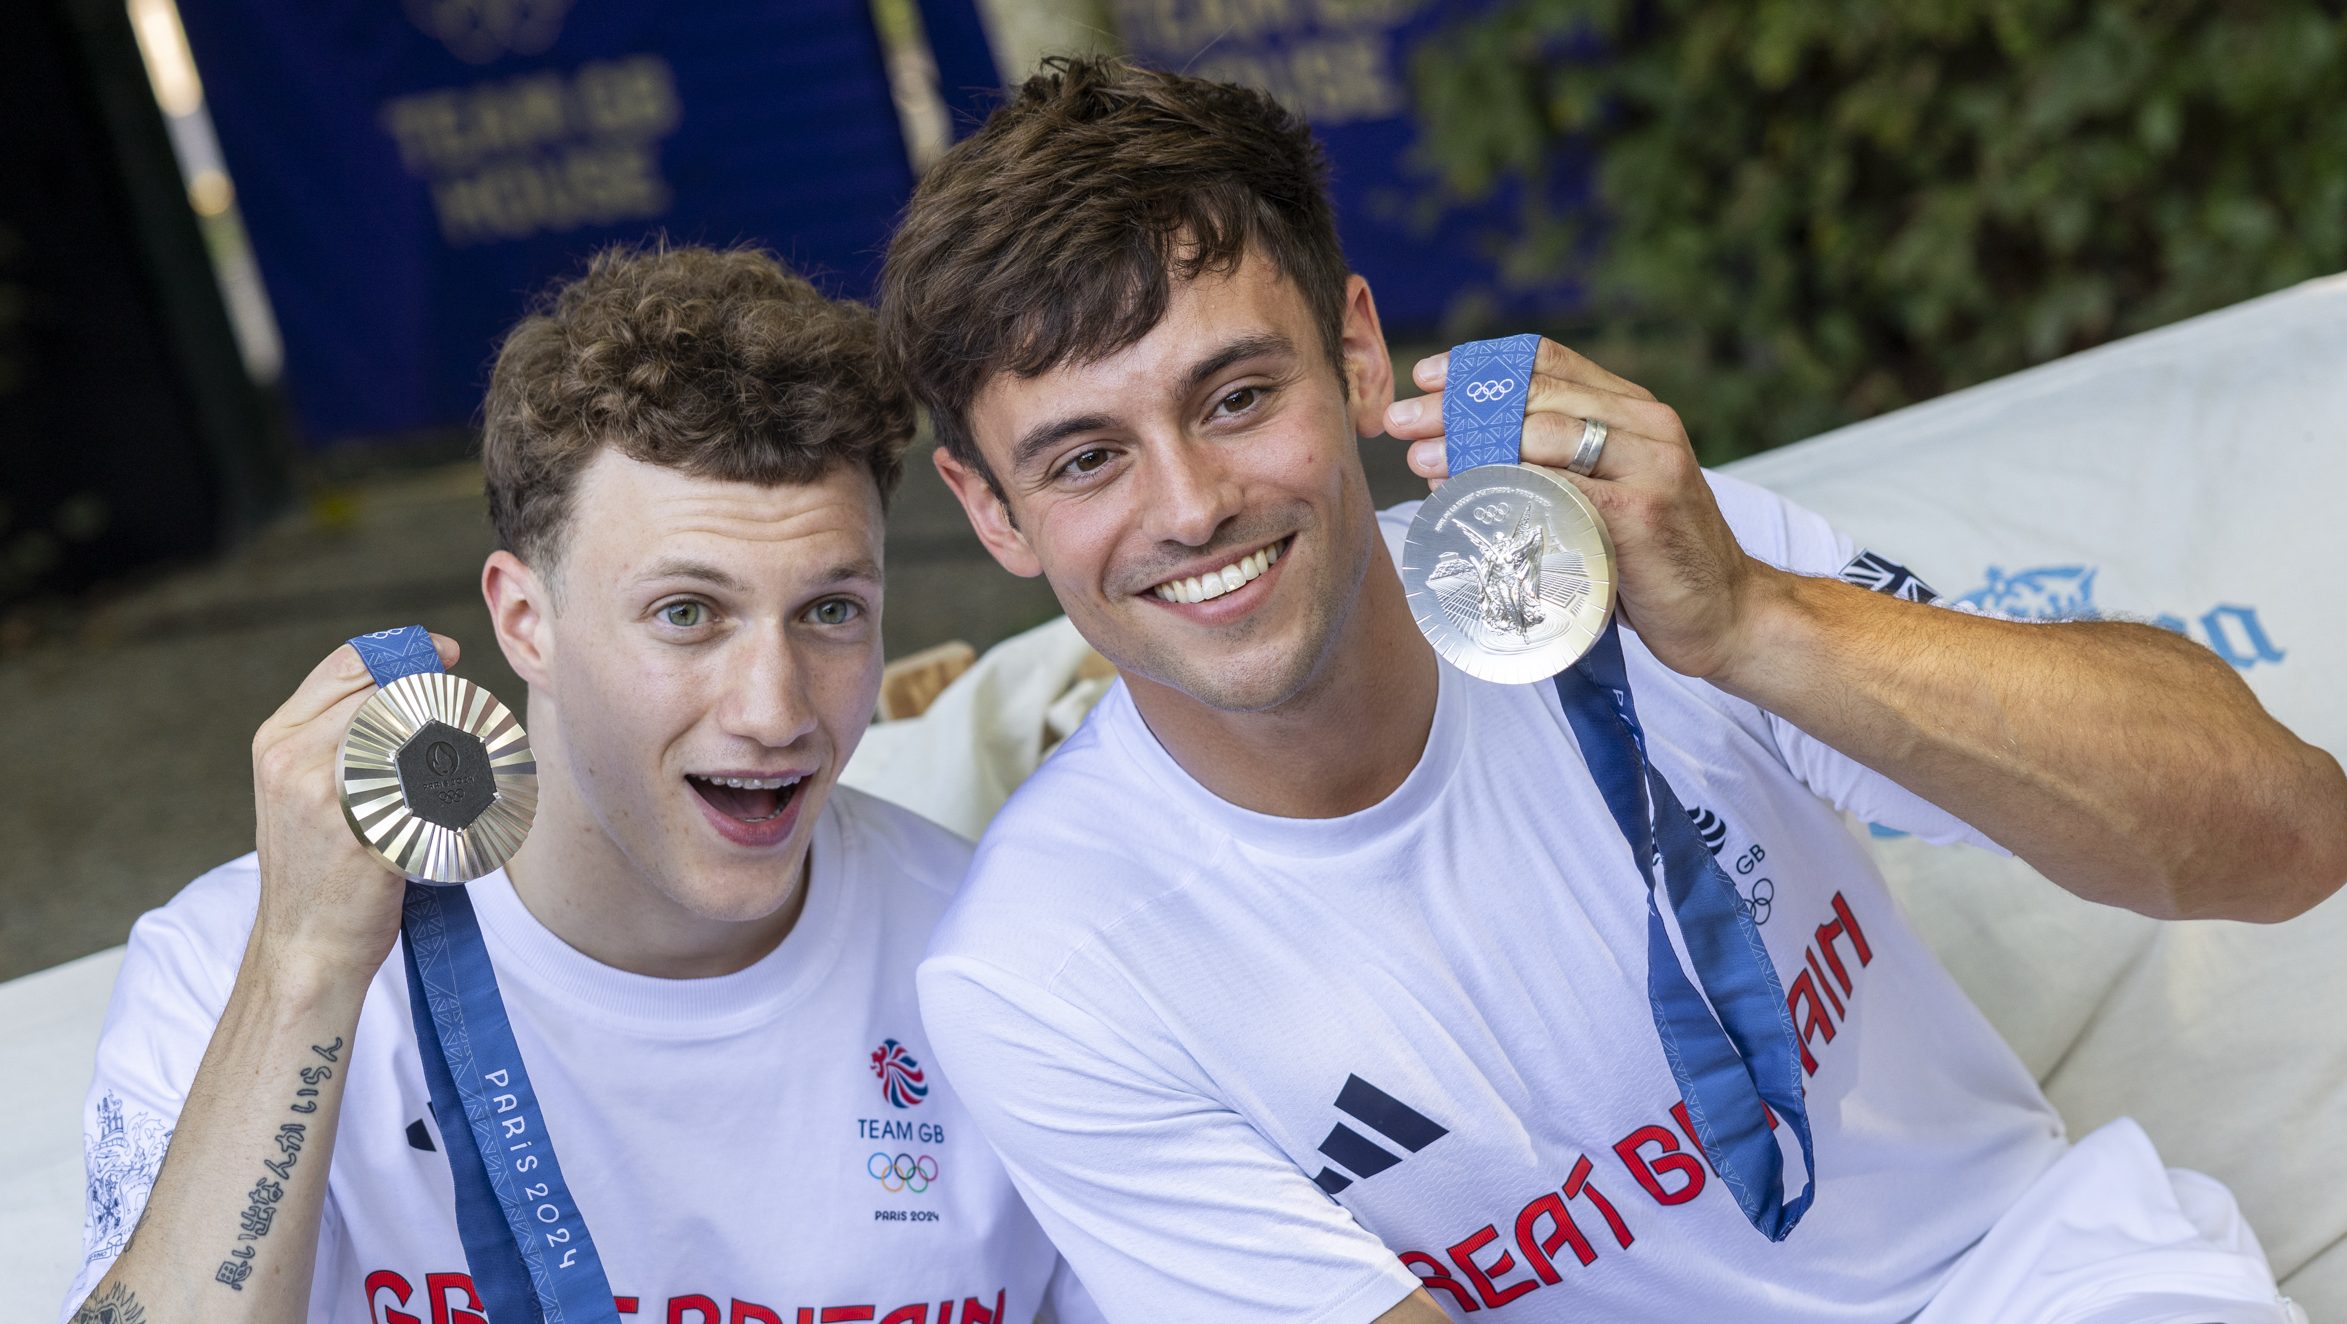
[1731, 1046]
[525, 1241]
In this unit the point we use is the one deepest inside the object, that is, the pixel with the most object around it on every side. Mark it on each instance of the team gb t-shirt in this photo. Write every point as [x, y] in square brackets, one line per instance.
[773, 1146]
[1255, 1068]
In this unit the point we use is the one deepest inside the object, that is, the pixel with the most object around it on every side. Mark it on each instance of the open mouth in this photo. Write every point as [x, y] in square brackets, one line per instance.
[1228, 579]
[747, 799]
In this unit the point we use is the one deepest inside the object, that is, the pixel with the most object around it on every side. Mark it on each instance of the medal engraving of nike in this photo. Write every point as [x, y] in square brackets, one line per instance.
[1510, 572]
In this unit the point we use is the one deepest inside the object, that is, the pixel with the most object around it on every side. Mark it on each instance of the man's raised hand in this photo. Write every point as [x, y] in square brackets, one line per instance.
[1686, 586]
[327, 906]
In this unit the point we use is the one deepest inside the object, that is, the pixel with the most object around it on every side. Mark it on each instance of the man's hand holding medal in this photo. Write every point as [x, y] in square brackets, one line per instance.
[1685, 585]
[326, 901]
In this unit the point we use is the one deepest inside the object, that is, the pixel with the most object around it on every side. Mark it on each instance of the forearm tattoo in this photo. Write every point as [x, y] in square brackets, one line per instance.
[114, 1304]
[260, 1212]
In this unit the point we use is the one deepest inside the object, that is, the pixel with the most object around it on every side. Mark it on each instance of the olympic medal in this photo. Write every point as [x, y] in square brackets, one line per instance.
[437, 778]
[1510, 572]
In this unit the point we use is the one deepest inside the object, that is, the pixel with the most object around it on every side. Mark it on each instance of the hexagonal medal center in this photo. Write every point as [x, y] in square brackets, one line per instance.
[444, 775]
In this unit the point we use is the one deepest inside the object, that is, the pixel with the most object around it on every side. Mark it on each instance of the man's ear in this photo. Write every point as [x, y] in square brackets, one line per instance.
[989, 516]
[520, 611]
[1369, 368]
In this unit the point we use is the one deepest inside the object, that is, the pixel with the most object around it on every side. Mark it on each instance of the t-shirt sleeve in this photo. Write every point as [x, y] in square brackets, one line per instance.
[1168, 1204]
[167, 999]
[1796, 539]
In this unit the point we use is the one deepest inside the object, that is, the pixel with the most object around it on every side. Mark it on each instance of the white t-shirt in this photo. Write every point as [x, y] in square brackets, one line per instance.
[1179, 1021]
[728, 1139]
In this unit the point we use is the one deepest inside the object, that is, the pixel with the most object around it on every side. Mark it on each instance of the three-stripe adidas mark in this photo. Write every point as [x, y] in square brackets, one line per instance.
[1380, 1112]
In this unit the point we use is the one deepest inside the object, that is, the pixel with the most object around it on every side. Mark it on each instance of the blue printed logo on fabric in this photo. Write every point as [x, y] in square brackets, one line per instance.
[120, 1166]
[2066, 593]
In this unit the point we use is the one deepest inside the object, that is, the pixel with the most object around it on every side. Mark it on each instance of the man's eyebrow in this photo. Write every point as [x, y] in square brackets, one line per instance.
[1238, 351]
[1043, 436]
[863, 567]
[677, 567]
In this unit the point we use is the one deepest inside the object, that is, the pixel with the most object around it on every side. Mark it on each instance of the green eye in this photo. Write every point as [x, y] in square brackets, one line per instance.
[834, 611]
[684, 615]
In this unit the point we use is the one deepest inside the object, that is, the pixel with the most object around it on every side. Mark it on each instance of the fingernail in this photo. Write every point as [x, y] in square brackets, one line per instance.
[1405, 411]
[1434, 370]
[1426, 457]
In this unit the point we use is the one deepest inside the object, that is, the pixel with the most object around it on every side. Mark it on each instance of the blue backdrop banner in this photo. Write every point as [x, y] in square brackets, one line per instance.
[1345, 67]
[412, 171]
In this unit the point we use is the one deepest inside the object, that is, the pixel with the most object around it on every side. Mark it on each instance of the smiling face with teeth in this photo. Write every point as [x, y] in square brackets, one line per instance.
[1214, 583]
[1195, 499]
[700, 668]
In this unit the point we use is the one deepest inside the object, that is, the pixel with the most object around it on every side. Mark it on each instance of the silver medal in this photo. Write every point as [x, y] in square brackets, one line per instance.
[1510, 572]
[437, 778]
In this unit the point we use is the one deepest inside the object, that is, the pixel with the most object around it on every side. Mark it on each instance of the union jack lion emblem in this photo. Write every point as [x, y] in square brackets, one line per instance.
[901, 1081]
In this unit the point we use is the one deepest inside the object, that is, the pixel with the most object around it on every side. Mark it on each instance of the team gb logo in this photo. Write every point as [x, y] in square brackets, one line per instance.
[901, 1081]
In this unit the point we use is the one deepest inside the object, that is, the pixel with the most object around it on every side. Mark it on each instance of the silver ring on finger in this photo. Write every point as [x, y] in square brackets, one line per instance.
[1584, 461]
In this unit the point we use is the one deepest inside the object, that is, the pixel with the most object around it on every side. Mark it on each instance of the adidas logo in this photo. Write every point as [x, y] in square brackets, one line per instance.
[420, 1138]
[1380, 1112]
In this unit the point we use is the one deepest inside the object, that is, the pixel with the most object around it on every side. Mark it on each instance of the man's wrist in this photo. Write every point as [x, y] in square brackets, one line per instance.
[303, 976]
[1773, 608]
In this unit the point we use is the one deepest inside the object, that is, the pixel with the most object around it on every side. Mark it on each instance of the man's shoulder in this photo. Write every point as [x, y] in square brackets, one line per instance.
[1090, 807]
[899, 847]
[1079, 846]
[182, 957]
[209, 919]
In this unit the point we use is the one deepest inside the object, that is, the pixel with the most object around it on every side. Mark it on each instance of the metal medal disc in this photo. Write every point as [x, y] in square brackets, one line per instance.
[1510, 572]
[437, 778]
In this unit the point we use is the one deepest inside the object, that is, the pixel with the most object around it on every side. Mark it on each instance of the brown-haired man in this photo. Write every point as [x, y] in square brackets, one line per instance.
[705, 946]
[1309, 980]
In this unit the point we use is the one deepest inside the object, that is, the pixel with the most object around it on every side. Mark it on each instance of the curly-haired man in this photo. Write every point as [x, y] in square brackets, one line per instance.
[1313, 980]
[705, 946]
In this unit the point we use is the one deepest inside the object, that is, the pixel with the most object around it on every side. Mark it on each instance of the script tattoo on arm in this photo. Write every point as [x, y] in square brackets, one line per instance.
[261, 1202]
[115, 1305]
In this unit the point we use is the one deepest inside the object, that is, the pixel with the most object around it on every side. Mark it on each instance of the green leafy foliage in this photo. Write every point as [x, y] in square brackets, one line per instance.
[1817, 210]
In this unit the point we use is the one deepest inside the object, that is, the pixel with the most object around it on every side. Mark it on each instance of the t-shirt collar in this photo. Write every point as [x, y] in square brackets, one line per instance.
[524, 949]
[1363, 830]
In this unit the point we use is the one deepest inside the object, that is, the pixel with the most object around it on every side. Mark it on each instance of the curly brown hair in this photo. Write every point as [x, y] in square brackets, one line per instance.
[1054, 234]
[720, 364]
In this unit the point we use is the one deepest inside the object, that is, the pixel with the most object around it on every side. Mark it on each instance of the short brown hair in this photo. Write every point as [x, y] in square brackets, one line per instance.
[1055, 233]
[720, 364]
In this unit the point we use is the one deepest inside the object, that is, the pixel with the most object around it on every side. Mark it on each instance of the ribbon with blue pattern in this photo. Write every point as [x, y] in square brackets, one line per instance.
[1483, 401]
[525, 1240]
[1732, 1048]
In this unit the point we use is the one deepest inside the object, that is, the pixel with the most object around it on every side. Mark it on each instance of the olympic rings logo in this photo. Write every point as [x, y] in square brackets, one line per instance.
[1484, 393]
[904, 1172]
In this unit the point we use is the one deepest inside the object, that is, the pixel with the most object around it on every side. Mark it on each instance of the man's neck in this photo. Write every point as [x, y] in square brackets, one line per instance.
[576, 882]
[1347, 739]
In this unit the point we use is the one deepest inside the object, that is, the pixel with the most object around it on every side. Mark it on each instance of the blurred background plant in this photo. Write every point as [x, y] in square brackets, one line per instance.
[1813, 211]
